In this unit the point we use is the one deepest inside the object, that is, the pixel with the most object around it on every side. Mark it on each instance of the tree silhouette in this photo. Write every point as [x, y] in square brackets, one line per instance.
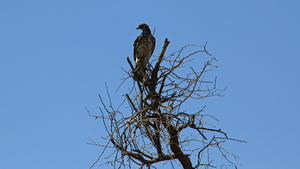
[152, 133]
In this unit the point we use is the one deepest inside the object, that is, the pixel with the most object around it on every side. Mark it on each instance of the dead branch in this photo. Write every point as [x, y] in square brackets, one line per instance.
[153, 131]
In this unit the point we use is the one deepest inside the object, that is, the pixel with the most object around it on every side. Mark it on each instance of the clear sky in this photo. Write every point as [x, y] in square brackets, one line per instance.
[55, 57]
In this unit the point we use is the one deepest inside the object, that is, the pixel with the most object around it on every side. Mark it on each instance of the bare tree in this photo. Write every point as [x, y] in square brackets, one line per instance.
[152, 133]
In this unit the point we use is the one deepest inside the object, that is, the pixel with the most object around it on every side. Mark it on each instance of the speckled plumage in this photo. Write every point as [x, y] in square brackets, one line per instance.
[143, 48]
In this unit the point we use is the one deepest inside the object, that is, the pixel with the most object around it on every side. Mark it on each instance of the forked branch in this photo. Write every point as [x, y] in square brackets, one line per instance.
[153, 131]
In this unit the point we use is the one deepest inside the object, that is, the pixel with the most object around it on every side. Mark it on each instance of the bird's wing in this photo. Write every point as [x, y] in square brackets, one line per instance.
[153, 47]
[135, 44]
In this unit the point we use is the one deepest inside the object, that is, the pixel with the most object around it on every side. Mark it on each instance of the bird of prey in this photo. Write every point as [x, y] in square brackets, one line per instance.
[143, 48]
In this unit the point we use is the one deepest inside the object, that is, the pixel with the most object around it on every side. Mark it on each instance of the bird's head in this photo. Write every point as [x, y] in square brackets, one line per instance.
[144, 27]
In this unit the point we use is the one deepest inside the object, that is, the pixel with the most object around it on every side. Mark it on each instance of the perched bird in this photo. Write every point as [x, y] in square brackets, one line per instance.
[143, 48]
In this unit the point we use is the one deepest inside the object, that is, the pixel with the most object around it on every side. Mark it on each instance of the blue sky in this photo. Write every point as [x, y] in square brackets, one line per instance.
[55, 57]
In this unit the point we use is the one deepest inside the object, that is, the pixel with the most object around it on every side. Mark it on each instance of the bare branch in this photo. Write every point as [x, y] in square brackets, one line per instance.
[153, 131]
